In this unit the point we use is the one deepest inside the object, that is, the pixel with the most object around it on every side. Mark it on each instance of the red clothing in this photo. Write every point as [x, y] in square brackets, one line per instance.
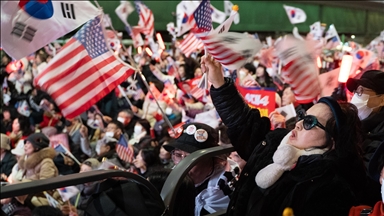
[377, 210]
[48, 121]
[14, 141]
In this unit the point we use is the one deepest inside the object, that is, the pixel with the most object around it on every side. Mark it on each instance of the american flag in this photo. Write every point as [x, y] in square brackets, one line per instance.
[229, 50]
[83, 72]
[134, 32]
[203, 16]
[124, 150]
[299, 69]
[146, 19]
[172, 68]
[197, 92]
[190, 44]
[232, 50]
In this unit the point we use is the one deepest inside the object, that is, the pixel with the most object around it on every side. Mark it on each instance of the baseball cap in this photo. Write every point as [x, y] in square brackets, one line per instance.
[372, 79]
[192, 137]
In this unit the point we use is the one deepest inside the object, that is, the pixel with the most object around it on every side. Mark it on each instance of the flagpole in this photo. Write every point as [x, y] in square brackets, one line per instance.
[144, 80]
[157, 102]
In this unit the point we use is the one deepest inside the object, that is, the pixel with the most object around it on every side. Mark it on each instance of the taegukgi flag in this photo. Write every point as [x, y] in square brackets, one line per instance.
[26, 26]
[295, 15]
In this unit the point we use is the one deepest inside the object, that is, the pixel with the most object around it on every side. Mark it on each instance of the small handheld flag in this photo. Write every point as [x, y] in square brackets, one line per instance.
[295, 15]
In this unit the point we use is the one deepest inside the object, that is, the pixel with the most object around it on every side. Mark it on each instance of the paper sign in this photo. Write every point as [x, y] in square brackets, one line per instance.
[287, 111]
[262, 99]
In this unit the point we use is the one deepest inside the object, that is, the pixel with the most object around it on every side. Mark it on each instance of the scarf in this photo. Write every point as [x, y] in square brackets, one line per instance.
[284, 159]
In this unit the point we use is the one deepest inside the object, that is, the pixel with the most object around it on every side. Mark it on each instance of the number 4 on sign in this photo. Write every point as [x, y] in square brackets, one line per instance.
[255, 99]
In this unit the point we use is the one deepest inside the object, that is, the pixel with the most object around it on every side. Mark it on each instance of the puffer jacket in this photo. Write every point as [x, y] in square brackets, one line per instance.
[313, 187]
[37, 166]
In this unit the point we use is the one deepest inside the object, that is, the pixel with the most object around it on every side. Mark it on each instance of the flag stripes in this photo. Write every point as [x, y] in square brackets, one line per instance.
[83, 72]
[303, 81]
[146, 19]
[190, 44]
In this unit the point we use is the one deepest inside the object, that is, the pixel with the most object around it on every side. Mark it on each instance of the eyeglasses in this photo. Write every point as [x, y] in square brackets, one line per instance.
[177, 156]
[309, 121]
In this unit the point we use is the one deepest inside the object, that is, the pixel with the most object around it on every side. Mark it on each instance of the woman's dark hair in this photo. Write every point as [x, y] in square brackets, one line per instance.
[118, 124]
[102, 119]
[25, 125]
[112, 145]
[250, 67]
[185, 197]
[43, 56]
[348, 135]
[150, 157]
[145, 124]
[345, 132]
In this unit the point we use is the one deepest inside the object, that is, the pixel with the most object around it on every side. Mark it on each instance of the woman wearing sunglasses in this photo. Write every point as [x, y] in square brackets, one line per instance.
[315, 169]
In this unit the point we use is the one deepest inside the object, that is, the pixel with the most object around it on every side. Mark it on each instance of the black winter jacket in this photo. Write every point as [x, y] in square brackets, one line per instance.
[313, 187]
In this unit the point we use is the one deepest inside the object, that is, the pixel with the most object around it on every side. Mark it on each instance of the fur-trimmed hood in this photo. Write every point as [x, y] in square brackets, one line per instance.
[37, 157]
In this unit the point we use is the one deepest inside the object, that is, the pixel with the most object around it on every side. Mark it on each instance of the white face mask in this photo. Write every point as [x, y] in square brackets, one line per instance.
[94, 124]
[361, 103]
[137, 129]
[168, 111]
[242, 74]
[98, 146]
[255, 63]
[109, 134]
[121, 119]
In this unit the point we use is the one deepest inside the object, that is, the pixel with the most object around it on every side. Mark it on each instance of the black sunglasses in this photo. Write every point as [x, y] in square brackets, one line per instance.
[309, 121]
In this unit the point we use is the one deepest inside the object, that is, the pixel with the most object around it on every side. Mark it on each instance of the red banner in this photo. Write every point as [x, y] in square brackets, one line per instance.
[262, 99]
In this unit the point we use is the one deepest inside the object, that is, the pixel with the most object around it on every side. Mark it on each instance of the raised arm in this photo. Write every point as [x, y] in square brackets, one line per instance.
[246, 128]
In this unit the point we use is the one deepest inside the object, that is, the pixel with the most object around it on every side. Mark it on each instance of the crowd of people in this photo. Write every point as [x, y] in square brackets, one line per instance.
[326, 161]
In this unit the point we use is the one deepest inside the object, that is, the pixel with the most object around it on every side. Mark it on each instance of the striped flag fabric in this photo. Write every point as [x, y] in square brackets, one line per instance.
[83, 72]
[190, 44]
[124, 151]
[299, 68]
[146, 19]
[135, 33]
[197, 92]
[172, 68]
[231, 49]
